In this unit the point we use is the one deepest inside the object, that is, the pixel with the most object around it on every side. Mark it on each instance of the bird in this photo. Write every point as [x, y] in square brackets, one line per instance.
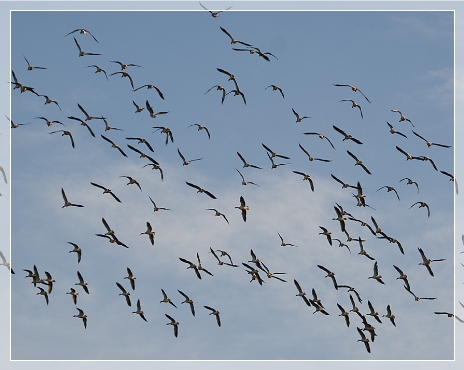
[273, 165]
[231, 75]
[354, 88]
[137, 108]
[113, 145]
[5, 263]
[344, 184]
[200, 266]
[245, 164]
[416, 298]
[244, 182]
[131, 278]
[124, 294]
[125, 74]
[166, 299]
[422, 204]
[155, 208]
[243, 207]
[14, 125]
[223, 253]
[363, 251]
[274, 88]
[301, 293]
[142, 155]
[410, 182]
[402, 276]
[150, 233]
[49, 281]
[429, 143]
[298, 118]
[152, 112]
[74, 295]
[341, 244]
[363, 224]
[173, 323]
[83, 32]
[106, 191]
[320, 136]
[220, 88]
[83, 123]
[150, 86]
[425, 158]
[82, 316]
[393, 131]
[124, 66]
[426, 262]
[44, 293]
[87, 116]
[201, 190]
[186, 163]
[329, 274]
[319, 308]
[255, 50]
[354, 104]
[49, 101]
[215, 313]
[232, 40]
[238, 92]
[346, 136]
[364, 340]
[354, 309]
[283, 244]
[139, 311]
[200, 127]
[351, 289]
[358, 162]
[29, 67]
[269, 274]
[326, 233]
[49, 123]
[340, 218]
[82, 283]
[345, 314]
[449, 315]
[312, 158]
[82, 53]
[108, 127]
[66, 202]
[218, 213]
[373, 312]
[191, 266]
[402, 118]
[376, 275]
[215, 14]
[112, 239]
[98, 69]
[389, 315]
[155, 166]
[390, 188]
[306, 177]
[274, 154]
[189, 301]
[167, 131]
[141, 141]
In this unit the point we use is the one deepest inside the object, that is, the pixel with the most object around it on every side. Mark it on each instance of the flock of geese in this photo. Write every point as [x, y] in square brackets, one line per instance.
[255, 268]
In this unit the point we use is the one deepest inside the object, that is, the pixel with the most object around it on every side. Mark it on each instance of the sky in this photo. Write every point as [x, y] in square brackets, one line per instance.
[400, 60]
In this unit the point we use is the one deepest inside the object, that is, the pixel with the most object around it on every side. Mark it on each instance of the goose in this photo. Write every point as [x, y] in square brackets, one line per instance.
[82, 283]
[218, 213]
[237, 92]
[273, 165]
[98, 69]
[393, 131]
[215, 313]
[363, 224]
[124, 66]
[150, 86]
[166, 299]
[243, 207]
[376, 275]
[49, 281]
[244, 182]
[320, 137]
[326, 233]
[124, 74]
[378, 230]
[173, 323]
[189, 301]
[139, 311]
[108, 228]
[341, 244]
[449, 315]
[283, 244]
[167, 131]
[452, 179]
[124, 294]
[221, 263]
[372, 312]
[131, 278]
[254, 259]
[319, 308]
[429, 143]
[155, 208]
[186, 163]
[301, 293]
[345, 314]
[416, 298]
[306, 177]
[231, 75]
[312, 158]
[15, 82]
[200, 266]
[402, 118]
[270, 274]
[402, 276]
[425, 158]
[390, 316]
[132, 181]
[150, 233]
[5, 263]
[74, 295]
[346, 136]
[344, 184]
[44, 293]
[142, 155]
[410, 182]
[363, 251]
[201, 190]
[351, 289]
[274, 154]
[275, 88]
[232, 40]
[354, 88]
[223, 254]
[155, 166]
[245, 164]
[364, 340]
[422, 204]
[137, 108]
[82, 316]
[82, 32]
[14, 125]
[113, 145]
[354, 309]
[49, 123]
[200, 127]
[106, 191]
[329, 274]
[66, 202]
[112, 239]
[191, 266]
[152, 112]
[340, 219]
[49, 101]
[83, 123]
[219, 88]
[426, 262]
[108, 127]
[368, 327]
[87, 116]
[390, 188]
[298, 118]
[82, 53]
[215, 14]
[354, 104]
[358, 162]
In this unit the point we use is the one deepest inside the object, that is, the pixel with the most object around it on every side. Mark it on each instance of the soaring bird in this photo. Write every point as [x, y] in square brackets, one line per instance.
[82, 53]
[201, 190]
[189, 301]
[141, 141]
[390, 188]
[49, 101]
[402, 118]
[301, 293]
[312, 158]
[215, 313]
[113, 145]
[416, 298]
[124, 66]
[65, 132]
[422, 204]
[82, 316]
[376, 275]
[167, 131]
[125, 74]
[364, 340]
[283, 244]
[106, 191]
[354, 88]
[191, 266]
[426, 262]
[166, 299]
[243, 207]
[393, 131]
[74, 295]
[29, 67]
[344, 184]
[150, 86]
[139, 311]
[98, 69]
[218, 213]
[87, 116]
[200, 127]
[320, 136]
[354, 104]
[66, 202]
[244, 182]
[49, 123]
[390, 316]
[345, 315]
[402, 276]
[186, 163]
[373, 312]
[346, 136]
[151, 111]
[326, 233]
[274, 88]
[150, 233]
[329, 274]
[131, 278]
[274, 154]
[124, 294]
[298, 118]
[232, 40]
[44, 293]
[245, 164]
[429, 143]
[410, 182]
[82, 283]
[306, 177]
[215, 14]
[156, 208]
[358, 162]
[174, 323]
[219, 87]
[83, 32]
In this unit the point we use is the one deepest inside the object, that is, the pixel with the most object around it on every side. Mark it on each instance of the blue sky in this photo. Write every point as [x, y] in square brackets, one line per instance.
[400, 60]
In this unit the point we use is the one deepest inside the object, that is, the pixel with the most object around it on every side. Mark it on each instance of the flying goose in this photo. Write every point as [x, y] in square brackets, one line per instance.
[137, 108]
[191, 266]
[402, 118]
[329, 274]
[215, 313]
[132, 181]
[402, 276]
[83, 123]
[354, 88]
[390, 316]
[326, 233]
[49, 101]
[200, 127]
[449, 315]
[124, 74]
[29, 67]
[422, 204]
[150, 233]
[269, 274]
[189, 301]
[124, 66]
[220, 88]
[376, 275]
[351, 289]
[346, 136]
[283, 244]
[426, 262]
[274, 154]
[218, 213]
[344, 184]
[108, 127]
[201, 190]
[44, 293]
[244, 182]
[139, 311]
[155, 208]
[429, 143]
[223, 254]
[200, 266]
[245, 164]
[301, 293]
[215, 14]
[273, 165]
[363, 251]
[165, 130]
[390, 188]
[82, 53]
[142, 155]
[306, 177]
[298, 118]
[373, 312]
[354, 104]
[274, 88]
[425, 158]
[49, 281]
[82, 316]
[82, 32]
[106, 191]
[66, 202]
[113, 145]
[393, 131]
[340, 218]
[173, 323]
[345, 315]
[238, 92]
[124, 294]
[243, 207]
[358, 162]
[320, 136]
[82, 283]
[87, 116]
[74, 295]
[364, 340]
[150, 86]
[452, 179]
[186, 163]
[232, 40]
[410, 182]
[166, 299]
[98, 69]
[49, 123]
[131, 278]
[416, 298]
[312, 158]
[152, 112]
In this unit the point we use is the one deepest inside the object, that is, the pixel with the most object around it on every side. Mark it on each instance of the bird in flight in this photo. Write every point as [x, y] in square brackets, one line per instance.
[354, 104]
[82, 53]
[201, 190]
[215, 14]
[274, 88]
[298, 118]
[83, 32]
[354, 88]
[29, 67]
[232, 40]
[66, 202]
